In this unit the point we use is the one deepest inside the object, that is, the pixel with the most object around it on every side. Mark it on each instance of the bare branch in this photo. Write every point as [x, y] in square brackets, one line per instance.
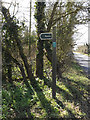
[64, 15]
[52, 16]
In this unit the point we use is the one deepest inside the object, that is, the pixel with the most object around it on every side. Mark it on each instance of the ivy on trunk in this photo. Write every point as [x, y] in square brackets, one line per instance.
[12, 29]
[40, 17]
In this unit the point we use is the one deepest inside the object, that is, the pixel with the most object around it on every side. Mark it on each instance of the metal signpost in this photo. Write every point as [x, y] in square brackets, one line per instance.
[48, 36]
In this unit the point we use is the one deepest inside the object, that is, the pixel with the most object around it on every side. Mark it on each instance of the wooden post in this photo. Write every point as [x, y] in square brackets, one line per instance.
[0, 60]
[54, 63]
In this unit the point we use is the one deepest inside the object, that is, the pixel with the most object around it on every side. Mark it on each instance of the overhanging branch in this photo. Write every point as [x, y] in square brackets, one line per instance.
[64, 15]
[52, 16]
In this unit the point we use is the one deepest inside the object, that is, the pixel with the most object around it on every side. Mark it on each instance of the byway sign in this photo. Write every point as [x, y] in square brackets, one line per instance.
[46, 36]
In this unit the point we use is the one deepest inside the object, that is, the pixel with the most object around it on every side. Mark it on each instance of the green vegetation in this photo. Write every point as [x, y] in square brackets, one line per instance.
[27, 64]
[36, 102]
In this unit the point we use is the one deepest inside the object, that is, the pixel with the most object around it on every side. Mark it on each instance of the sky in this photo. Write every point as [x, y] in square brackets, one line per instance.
[81, 37]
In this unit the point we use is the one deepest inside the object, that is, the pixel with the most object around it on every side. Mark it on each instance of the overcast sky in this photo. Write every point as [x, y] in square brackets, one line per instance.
[81, 37]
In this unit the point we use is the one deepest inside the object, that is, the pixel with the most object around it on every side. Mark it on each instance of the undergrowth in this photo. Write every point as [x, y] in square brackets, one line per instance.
[37, 102]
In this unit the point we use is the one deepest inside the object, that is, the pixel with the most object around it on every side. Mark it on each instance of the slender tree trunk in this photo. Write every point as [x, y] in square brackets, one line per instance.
[10, 73]
[19, 65]
[9, 67]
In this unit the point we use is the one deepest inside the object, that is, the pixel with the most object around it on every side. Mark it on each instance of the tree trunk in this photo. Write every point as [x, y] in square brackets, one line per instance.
[40, 17]
[13, 32]
[39, 60]
[10, 73]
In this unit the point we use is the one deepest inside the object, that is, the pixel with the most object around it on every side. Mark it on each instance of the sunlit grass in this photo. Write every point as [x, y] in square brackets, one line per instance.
[71, 93]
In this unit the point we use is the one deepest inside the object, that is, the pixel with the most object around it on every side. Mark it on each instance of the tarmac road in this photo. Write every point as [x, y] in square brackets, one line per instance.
[84, 62]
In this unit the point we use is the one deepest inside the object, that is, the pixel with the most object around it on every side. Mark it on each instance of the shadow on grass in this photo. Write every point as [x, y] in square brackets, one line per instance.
[59, 90]
[75, 88]
[66, 95]
[77, 91]
[76, 94]
[78, 83]
[44, 102]
[63, 106]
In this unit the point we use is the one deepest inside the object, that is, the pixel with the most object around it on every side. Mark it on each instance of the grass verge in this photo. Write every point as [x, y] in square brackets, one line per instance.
[36, 102]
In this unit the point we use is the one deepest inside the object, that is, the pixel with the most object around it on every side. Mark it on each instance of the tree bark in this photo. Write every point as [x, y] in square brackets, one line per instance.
[40, 17]
[39, 60]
